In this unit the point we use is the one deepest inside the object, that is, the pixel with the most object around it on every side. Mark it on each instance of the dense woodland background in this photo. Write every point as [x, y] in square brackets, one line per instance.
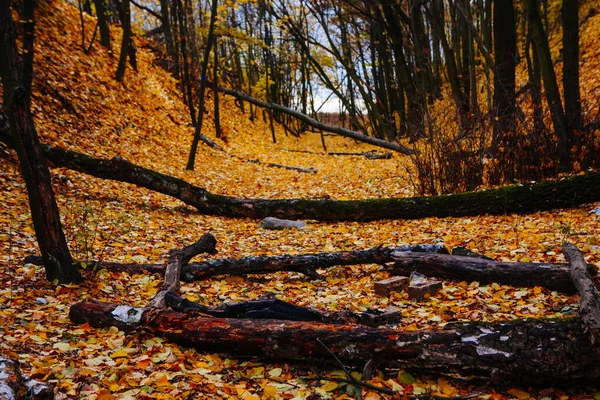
[489, 91]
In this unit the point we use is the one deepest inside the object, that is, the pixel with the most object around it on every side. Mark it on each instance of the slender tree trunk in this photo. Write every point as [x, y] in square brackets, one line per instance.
[167, 31]
[126, 42]
[201, 95]
[103, 23]
[216, 92]
[570, 16]
[44, 211]
[559, 119]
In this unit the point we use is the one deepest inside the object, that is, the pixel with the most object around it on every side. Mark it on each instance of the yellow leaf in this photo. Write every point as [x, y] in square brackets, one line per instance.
[329, 386]
[118, 354]
[275, 372]
[269, 393]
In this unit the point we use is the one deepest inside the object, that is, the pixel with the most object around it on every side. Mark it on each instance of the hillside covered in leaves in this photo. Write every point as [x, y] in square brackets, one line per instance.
[77, 104]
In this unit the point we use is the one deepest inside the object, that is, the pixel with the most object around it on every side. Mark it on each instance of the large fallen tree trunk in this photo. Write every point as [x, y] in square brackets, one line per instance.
[529, 352]
[338, 130]
[525, 198]
[552, 276]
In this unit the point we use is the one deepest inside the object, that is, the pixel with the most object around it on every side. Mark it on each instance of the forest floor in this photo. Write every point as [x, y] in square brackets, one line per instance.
[77, 104]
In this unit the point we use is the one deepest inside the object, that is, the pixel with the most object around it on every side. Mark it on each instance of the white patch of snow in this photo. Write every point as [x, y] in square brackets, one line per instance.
[128, 315]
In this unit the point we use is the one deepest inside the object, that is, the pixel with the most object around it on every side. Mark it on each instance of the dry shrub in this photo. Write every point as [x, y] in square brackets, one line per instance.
[450, 160]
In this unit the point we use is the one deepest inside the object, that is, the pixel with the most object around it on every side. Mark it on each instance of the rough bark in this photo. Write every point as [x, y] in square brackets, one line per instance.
[522, 198]
[303, 263]
[44, 211]
[178, 258]
[13, 385]
[552, 276]
[589, 306]
[530, 352]
[126, 40]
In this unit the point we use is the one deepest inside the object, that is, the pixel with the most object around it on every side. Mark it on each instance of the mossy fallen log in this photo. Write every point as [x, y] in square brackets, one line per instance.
[522, 198]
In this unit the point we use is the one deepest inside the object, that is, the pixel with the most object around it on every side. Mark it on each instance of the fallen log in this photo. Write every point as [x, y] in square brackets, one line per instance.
[178, 258]
[272, 308]
[306, 264]
[430, 260]
[589, 305]
[532, 352]
[338, 130]
[371, 155]
[14, 385]
[463, 268]
[522, 198]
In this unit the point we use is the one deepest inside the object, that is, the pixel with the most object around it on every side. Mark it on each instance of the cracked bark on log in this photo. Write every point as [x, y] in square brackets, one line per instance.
[462, 268]
[178, 258]
[523, 351]
[430, 260]
[589, 305]
[522, 198]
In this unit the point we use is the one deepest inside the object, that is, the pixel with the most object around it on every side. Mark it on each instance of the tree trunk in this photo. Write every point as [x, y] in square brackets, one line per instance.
[167, 31]
[303, 263]
[505, 52]
[103, 23]
[217, 113]
[552, 276]
[28, 18]
[201, 94]
[570, 16]
[178, 258]
[523, 198]
[534, 352]
[559, 120]
[126, 40]
[44, 211]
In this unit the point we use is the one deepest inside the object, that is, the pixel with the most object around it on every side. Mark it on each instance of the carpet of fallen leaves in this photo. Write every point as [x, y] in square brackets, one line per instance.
[78, 105]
